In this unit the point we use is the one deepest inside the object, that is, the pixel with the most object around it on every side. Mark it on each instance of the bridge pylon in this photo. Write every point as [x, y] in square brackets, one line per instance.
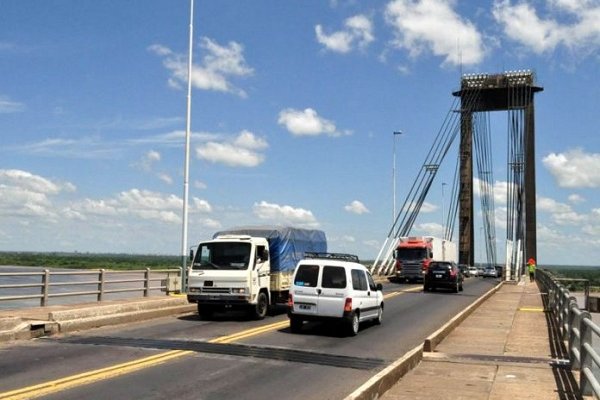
[508, 91]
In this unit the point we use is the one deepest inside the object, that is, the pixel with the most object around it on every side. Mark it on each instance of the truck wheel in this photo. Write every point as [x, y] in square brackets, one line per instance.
[296, 324]
[353, 324]
[262, 304]
[205, 312]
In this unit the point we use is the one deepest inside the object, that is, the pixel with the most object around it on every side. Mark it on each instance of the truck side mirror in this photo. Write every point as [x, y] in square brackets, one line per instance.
[265, 255]
[191, 254]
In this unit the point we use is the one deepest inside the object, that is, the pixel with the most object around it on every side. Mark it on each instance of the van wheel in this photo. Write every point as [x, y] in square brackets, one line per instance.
[262, 304]
[296, 324]
[205, 312]
[353, 324]
[379, 318]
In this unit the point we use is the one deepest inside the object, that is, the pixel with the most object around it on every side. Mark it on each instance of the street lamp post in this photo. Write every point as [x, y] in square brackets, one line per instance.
[395, 133]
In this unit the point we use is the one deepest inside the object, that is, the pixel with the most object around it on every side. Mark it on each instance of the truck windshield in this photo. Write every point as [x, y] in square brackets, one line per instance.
[225, 256]
[412, 254]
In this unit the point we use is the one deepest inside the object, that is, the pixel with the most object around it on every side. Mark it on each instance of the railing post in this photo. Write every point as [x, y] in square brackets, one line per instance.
[147, 282]
[586, 359]
[586, 292]
[101, 284]
[45, 288]
[574, 333]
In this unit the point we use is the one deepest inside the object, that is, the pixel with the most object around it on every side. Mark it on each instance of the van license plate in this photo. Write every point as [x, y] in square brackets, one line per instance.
[306, 307]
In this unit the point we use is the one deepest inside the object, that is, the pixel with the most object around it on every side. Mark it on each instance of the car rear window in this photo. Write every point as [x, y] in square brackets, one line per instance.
[334, 277]
[440, 267]
[307, 275]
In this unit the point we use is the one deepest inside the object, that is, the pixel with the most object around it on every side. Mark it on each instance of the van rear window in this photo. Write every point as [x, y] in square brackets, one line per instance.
[307, 275]
[334, 277]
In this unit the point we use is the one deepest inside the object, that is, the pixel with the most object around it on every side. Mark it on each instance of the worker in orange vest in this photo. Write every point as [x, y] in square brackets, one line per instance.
[531, 269]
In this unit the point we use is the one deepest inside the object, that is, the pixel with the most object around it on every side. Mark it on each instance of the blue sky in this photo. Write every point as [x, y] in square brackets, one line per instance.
[293, 108]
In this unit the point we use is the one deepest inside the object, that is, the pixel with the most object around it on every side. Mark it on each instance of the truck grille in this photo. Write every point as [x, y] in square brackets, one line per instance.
[215, 290]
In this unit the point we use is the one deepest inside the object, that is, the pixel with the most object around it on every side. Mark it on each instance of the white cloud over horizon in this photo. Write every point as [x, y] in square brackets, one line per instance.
[284, 215]
[356, 207]
[357, 33]
[218, 66]
[434, 26]
[245, 150]
[307, 122]
[574, 168]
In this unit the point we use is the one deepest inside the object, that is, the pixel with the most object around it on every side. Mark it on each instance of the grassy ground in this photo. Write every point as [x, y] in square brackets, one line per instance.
[89, 261]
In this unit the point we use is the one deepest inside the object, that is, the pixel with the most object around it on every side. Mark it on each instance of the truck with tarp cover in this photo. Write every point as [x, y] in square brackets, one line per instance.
[248, 267]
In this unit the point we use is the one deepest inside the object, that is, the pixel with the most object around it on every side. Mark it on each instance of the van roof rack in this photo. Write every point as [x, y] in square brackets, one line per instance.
[332, 256]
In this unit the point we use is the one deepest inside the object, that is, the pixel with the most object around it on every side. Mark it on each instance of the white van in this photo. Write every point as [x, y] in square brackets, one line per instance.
[331, 286]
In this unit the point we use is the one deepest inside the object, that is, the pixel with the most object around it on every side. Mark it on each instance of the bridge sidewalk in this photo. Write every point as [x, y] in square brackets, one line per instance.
[506, 349]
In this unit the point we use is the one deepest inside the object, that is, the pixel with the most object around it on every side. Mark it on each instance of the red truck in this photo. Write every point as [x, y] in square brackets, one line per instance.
[414, 254]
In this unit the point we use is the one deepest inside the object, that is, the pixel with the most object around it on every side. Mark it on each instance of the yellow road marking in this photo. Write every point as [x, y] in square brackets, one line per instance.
[58, 385]
[85, 378]
[532, 309]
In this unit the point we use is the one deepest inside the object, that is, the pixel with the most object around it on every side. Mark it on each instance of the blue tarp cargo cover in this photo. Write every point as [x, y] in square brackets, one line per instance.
[287, 245]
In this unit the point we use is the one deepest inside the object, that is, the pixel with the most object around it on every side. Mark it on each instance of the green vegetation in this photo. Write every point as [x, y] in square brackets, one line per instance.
[592, 274]
[89, 260]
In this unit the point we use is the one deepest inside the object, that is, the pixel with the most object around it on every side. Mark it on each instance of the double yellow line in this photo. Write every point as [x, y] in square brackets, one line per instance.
[85, 378]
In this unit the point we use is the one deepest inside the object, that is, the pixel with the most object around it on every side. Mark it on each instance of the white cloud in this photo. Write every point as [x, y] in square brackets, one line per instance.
[561, 213]
[284, 215]
[356, 207]
[148, 160]
[218, 66]
[425, 207]
[521, 22]
[25, 194]
[574, 169]
[166, 178]
[200, 185]
[307, 122]
[576, 199]
[202, 205]
[242, 151]
[430, 228]
[433, 25]
[8, 106]
[358, 32]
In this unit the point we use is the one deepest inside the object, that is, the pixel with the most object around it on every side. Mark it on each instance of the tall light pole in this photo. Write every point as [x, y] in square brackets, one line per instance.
[395, 133]
[443, 213]
[186, 169]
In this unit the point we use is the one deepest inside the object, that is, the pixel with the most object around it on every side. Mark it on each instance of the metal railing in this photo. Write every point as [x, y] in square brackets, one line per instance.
[577, 329]
[40, 284]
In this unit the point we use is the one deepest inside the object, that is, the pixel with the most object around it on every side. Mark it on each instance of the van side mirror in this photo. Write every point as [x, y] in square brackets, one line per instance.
[379, 286]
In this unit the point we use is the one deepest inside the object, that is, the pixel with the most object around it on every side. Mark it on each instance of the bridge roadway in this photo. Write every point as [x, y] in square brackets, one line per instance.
[231, 357]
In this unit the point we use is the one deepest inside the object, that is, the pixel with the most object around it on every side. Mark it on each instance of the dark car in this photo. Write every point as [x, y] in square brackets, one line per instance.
[443, 274]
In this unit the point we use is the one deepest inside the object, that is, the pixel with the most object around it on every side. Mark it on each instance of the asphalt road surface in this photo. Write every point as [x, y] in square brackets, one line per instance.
[228, 357]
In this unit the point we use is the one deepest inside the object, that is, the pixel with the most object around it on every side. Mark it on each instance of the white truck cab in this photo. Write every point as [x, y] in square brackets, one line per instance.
[248, 268]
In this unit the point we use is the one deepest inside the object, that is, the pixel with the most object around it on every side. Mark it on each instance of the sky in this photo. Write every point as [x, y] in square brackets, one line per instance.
[294, 105]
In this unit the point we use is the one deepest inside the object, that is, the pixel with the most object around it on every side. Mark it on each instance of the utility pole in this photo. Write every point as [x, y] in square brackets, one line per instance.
[443, 213]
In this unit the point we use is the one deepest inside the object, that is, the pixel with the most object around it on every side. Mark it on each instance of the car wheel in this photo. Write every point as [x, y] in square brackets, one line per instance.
[205, 312]
[262, 304]
[296, 324]
[379, 318]
[353, 324]
[456, 287]
[460, 287]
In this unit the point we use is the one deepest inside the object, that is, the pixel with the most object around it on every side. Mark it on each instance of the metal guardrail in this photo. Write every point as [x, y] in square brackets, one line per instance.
[103, 285]
[577, 329]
